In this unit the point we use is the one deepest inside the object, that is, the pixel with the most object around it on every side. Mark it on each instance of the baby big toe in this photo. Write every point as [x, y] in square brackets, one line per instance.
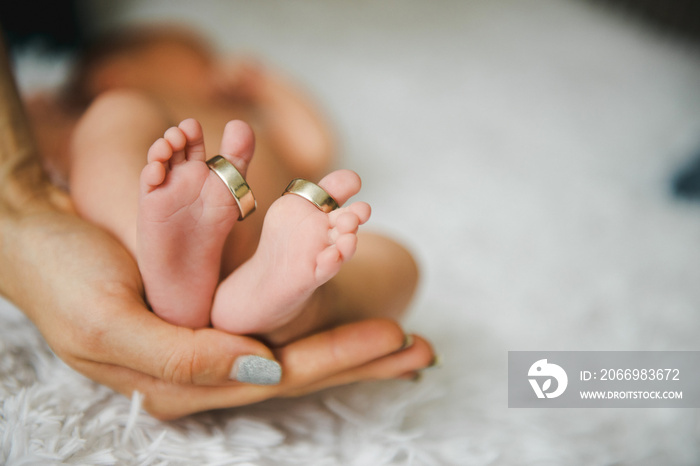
[341, 185]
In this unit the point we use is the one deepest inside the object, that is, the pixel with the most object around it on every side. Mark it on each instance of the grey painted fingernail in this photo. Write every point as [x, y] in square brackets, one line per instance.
[256, 370]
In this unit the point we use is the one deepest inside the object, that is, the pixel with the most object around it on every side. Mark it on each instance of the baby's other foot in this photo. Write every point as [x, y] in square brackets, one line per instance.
[300, 249]
[185, 214]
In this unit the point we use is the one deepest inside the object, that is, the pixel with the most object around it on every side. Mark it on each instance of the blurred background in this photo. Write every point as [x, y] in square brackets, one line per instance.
[538, 158]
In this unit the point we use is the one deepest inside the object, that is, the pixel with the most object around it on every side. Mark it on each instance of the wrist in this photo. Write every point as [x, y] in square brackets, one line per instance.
[27, 191]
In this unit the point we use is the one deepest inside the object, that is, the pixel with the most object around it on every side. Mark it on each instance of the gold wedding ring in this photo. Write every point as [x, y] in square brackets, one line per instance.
[235, 182]
[312, 193]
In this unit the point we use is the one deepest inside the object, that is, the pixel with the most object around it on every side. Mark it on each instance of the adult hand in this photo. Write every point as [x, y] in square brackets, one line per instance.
[83, 291]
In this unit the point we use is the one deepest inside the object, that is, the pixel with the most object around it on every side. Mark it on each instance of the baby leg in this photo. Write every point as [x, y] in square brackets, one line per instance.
[108, 152]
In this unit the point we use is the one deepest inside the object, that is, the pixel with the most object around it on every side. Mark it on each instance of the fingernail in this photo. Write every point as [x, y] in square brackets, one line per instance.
[415, 376]
[436, 362]
[407, 342]
[256, 370]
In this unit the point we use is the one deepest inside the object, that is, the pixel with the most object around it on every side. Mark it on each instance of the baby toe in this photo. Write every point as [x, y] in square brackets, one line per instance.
[346, 245]
[176, 138]
[152, 176]
[341, 185]
[178, 141]
[328, 264]
[160, 151]
[238, 144]
[362, 210]
[347, 222]
[194, 138]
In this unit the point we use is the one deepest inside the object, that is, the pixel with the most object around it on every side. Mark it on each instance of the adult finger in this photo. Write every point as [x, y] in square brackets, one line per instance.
[418, 356]
[166, 400]
[306, 363]
[337, 350]
[137, 339]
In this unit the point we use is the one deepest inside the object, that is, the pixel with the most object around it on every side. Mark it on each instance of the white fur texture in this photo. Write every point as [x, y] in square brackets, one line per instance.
[523, 149]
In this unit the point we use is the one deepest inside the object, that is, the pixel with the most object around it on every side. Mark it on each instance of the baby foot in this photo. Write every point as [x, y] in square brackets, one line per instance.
[185, 214]
[300, 249]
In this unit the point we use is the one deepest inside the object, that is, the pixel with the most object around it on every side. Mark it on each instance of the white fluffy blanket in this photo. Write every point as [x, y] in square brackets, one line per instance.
[523, 149]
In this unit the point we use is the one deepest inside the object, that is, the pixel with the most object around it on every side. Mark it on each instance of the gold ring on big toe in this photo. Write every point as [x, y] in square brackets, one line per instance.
[235, 183]
[312, 193]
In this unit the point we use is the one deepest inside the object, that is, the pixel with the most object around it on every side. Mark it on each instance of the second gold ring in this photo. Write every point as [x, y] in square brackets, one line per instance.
[312, 193]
